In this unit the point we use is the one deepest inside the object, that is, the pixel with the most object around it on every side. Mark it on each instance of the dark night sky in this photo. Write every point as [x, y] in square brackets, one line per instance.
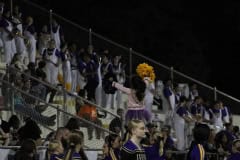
[200, 34]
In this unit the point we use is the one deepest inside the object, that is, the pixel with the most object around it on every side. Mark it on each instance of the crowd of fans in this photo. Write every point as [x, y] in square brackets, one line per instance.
[99, 76]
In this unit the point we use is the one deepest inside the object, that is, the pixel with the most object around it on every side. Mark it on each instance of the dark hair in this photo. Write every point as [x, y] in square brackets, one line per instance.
[139, 86]
[28, 147]
[24, 131]
[183, 99]
[41, 64]
[31, 65]
[14, 122]
[235, 129]
[201, 133]
[111, 139]
[72, 124]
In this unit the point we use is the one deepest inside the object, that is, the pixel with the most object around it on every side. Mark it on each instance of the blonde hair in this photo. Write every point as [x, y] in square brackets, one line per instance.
[74, 140]
[156, 135]
[53, 145]
[131, 125]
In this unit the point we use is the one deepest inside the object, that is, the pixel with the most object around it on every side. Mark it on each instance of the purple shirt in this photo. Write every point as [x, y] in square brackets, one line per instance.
[197, 153]
[234, 156]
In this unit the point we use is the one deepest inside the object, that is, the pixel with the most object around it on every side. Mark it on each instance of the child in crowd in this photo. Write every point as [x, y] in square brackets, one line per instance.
[132, 149]
[201, 134]
[112, 147]
[55, 150]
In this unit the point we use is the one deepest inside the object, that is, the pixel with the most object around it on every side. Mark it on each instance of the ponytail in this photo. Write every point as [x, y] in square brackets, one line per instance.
[161, 145]
[126, 137]
[70, 152]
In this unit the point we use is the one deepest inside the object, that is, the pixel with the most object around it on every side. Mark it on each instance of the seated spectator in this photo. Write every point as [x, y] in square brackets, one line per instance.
[217, 115]
[113, 144]
[4, 132]
[89, 113]
[21, 107]
[168, 141]
[116, 124]
[73, 124]
[201, 134]
[223, 144]
[13, 124]
[74, 147]
[55, 150]
[154, 146]
[236, 132]
[30, 131]
[235, 155]
[27, 151]
[81, 151]
[62, 135]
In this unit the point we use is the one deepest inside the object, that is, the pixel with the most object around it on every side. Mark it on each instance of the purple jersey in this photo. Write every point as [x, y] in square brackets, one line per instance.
[152, 152]
[197, 152]
[234, 156]
[130, 151]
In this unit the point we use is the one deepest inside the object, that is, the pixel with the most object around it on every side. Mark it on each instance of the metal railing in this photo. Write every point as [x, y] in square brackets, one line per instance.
[89, 37]
[58, 90]
[59, 110]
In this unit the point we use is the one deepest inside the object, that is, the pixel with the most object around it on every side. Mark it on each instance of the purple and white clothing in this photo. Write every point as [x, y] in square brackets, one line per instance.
[148, 99]
[131, 151]
[119, 71]
[51, 56]
[217, 116]
[66, 67]
[197, 152]
[179, 125]
[152, 152]
[19, 41]
[169, 107]
[29, 32]
[198, 109]
[106, 73]
[9, 46]
[227, 118]
[55, 33]
[91, 77]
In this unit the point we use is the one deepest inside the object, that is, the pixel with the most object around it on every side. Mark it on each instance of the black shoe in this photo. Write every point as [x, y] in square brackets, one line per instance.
[41, 108]
[53, 117]
[90, 138]
[50, 120]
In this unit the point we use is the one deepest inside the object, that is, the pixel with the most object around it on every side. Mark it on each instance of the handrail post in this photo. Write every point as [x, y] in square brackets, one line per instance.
[50, 20]
[58, 114]
[90, 37]
[171, 75]
[64, 98]
[8, 97]
[11, 8]
[215, 93]
[130, 65]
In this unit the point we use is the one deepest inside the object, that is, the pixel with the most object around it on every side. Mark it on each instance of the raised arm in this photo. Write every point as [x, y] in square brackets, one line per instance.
[121, 87]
